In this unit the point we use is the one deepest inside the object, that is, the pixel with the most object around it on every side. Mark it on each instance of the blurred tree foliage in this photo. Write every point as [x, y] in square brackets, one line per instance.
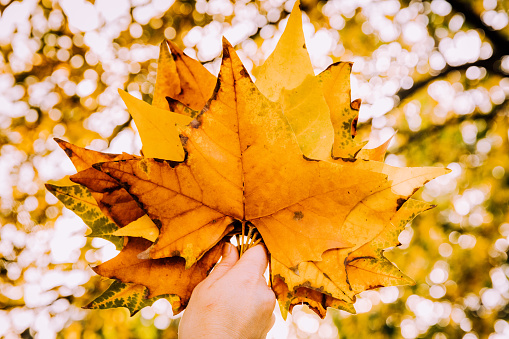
[435, 71]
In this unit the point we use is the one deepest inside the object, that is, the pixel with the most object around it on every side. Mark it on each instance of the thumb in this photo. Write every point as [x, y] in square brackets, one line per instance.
[255, 259]
[229, 257]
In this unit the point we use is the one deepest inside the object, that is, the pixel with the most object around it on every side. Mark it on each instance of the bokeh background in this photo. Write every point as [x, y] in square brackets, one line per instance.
[437, 72]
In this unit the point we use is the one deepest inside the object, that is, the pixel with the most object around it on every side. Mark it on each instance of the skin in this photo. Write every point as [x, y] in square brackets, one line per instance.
[234, 301]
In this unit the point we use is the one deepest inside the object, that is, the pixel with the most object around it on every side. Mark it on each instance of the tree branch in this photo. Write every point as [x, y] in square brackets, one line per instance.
[499, 42]
[434, 129]
[487, 63]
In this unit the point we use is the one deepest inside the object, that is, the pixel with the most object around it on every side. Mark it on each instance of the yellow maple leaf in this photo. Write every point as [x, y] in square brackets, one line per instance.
[287, 76]
[278, 157]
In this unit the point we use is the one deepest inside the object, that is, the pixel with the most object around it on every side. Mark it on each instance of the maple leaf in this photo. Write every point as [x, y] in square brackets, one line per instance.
[337, 204]
[242, 163]
[131, 296]
[335, 81]
[156, 127]
[79, 199]
[111, 198]
[279, 157]
[166, 276]
[288, 76]
[181, 79]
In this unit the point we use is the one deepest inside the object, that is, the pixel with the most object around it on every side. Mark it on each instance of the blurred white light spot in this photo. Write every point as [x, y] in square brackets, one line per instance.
[112, 9]
[86, 87]
[497, 95]
[497, 20]
[470, 336]
[147, 312]
[472, 301]
[457, 315]
[408, 329]
[31, 116]
[466, 241]
[337, 22]
[489, 4]
[161, 306]
[461, 206]
[505, 64]
[445, 250]
[483, 146]
[389, 294]
[437, 61]
[475, 219]
[441, 7]
[363, 305]
[162, 322]
[437, 291]
[456, 22]
[498, 172]
[135, 30]
[308, 323]
[490, 298]
[501, 326]
[209, 47]
[464, 47]
[327, 331]
[193, 36]
[473, 72]
[414, 32]
[21, 319]
[438, 275]
[469, 133]
[466, 325]
[170, 33]
[405, 237]
[382, 63]
[486, 50]
[81, 14]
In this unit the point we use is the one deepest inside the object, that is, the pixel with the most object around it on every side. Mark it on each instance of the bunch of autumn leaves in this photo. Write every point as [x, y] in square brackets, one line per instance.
[278, 155]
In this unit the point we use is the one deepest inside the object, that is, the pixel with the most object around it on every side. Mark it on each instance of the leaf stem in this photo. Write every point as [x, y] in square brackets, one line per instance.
[247, 238]
[242, 238]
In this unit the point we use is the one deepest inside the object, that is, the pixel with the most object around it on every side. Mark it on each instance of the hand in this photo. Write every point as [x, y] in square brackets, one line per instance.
[234, 301]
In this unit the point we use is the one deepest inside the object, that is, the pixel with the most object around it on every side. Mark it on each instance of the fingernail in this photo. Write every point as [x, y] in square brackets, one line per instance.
[226, 249]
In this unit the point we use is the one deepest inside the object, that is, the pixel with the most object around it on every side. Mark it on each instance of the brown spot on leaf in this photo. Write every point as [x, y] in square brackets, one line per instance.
[143, 166]
[356, 104]
[354, 126]
[158, 223]
[400, 203]
[172, 163]
[68, 151]
[226, 52]
[195, 123]
[244, 72]
[183, 139]
[298, 215]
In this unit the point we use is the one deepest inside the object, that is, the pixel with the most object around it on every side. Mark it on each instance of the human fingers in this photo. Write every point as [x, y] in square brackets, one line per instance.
[230, 256]
[253, 260]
